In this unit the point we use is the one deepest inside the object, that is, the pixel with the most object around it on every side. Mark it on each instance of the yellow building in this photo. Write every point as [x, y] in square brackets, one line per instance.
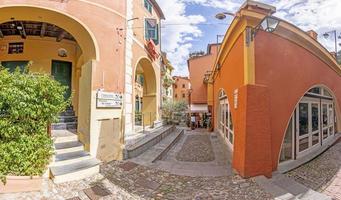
[96, 48]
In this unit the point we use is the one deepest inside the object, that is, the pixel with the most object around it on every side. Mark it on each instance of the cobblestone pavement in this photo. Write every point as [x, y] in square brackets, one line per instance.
[150, 183]
[51, 191]
[219, 166]
[197, 148]
[322, 174]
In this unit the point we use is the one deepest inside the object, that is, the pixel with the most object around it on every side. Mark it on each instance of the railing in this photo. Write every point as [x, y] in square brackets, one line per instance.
[145, 119]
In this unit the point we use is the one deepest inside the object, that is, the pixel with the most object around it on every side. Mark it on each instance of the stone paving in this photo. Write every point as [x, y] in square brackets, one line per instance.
[219, 166]
[322, 174]
[197, 148]
[127, 180]
[51, 191]
[150, 183]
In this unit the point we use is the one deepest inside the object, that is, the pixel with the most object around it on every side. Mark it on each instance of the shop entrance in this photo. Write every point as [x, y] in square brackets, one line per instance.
[311, 126]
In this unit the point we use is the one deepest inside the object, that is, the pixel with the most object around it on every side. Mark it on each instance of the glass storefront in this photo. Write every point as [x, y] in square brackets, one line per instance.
[225, 124]
[311, 126]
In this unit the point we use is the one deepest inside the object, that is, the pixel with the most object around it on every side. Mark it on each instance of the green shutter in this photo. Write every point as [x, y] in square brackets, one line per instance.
[156, 41]
[146, 30]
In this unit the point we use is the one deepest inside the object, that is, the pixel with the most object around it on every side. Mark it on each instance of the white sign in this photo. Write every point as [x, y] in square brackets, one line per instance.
[109, 100]
[235, 98]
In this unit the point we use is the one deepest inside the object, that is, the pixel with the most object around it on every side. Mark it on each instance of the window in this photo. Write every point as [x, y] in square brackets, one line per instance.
[225, 125]
[176, 95]
[175, 86]
[148, 6]
[16, 48]
[13, 65]
[152, 30]
[183, 85]
[183, 95]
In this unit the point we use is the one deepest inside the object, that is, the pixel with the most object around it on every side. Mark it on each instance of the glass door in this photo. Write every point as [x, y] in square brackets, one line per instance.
[307, 125]
[327, 120]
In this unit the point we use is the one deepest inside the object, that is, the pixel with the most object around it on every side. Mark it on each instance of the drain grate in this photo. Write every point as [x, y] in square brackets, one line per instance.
[128, 166]
[96, 192]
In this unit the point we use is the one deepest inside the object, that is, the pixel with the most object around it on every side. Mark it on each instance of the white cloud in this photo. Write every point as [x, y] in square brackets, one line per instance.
[318, 15]
[226, 5]
[178, 31]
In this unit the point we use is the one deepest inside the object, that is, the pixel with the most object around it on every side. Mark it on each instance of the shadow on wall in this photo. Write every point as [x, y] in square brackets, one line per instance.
[110, 140]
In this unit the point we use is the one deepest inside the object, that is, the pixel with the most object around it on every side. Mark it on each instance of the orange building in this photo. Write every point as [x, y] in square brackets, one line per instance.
[275, 91]
[199, 67]
[181, 88]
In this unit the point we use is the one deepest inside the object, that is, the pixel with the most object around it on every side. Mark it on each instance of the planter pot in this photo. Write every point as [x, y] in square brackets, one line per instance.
[21, 184]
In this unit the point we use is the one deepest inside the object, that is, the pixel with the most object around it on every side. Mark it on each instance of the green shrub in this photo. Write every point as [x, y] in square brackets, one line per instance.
[28, 103]
[174, 110]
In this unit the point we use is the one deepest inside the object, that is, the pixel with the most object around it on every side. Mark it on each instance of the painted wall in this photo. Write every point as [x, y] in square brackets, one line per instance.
[288, 70]
[198, 67]
[134, 53]
[102, 63]
[41, 51]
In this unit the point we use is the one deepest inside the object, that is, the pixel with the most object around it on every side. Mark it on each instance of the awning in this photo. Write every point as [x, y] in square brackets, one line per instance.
[199, 108]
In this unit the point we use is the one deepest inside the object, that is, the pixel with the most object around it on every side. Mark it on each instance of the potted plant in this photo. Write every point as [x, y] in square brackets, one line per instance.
[28, 103]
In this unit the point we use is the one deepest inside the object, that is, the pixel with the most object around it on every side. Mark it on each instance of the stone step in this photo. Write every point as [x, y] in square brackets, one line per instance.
[68, 113]
[158, 151]
[63, 119]
[151, 139]
[64, 126]
[60, 136]
[75, 171]
[71, 157]
[284, 188]
[67, 147]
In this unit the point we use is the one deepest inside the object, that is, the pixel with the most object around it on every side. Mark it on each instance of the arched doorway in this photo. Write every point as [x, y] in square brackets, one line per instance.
[311, 126]
[58, 44]
[145, 108]
[224, 119]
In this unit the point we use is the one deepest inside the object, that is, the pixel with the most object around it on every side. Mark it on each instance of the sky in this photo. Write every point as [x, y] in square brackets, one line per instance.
[191, 25]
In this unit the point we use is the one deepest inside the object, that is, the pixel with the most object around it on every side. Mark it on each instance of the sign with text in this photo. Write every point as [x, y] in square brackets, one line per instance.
[108, 100]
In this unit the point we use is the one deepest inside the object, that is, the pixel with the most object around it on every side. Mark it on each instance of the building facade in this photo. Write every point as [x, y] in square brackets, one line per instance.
[199, 67]
[167, 80]
[275, 93]
[181, 88]
[98, 56]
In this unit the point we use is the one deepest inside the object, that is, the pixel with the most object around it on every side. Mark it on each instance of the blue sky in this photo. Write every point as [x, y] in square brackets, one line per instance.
[190, 24]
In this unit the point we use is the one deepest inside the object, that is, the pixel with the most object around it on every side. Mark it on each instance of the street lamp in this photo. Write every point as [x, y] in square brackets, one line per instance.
[223, 15]
[334, 32]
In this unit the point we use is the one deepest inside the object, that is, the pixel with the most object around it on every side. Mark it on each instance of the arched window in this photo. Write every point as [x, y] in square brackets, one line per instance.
[311, 126]
[224, 116]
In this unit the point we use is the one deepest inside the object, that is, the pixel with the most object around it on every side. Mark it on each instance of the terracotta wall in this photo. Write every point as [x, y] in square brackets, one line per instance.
[198, 67]
[288, 71]
[230, 76]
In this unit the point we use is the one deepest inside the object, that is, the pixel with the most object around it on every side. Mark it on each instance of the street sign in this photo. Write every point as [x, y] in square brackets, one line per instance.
[108, 100]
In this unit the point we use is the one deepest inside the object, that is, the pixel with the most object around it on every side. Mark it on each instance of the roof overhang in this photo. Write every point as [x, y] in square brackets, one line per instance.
[158, 9]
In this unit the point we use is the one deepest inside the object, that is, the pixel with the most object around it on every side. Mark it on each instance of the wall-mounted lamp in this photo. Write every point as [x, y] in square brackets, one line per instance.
[268, 24]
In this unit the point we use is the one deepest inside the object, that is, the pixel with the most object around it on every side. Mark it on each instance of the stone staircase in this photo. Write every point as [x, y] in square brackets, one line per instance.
[285, 188]
[70, 161]
[159, 150]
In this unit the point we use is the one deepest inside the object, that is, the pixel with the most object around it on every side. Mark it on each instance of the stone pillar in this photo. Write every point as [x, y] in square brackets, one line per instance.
[128, 99]
[252, 142]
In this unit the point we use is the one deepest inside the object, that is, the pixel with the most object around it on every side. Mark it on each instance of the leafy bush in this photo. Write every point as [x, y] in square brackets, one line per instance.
[174, 110]
[28, 103]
